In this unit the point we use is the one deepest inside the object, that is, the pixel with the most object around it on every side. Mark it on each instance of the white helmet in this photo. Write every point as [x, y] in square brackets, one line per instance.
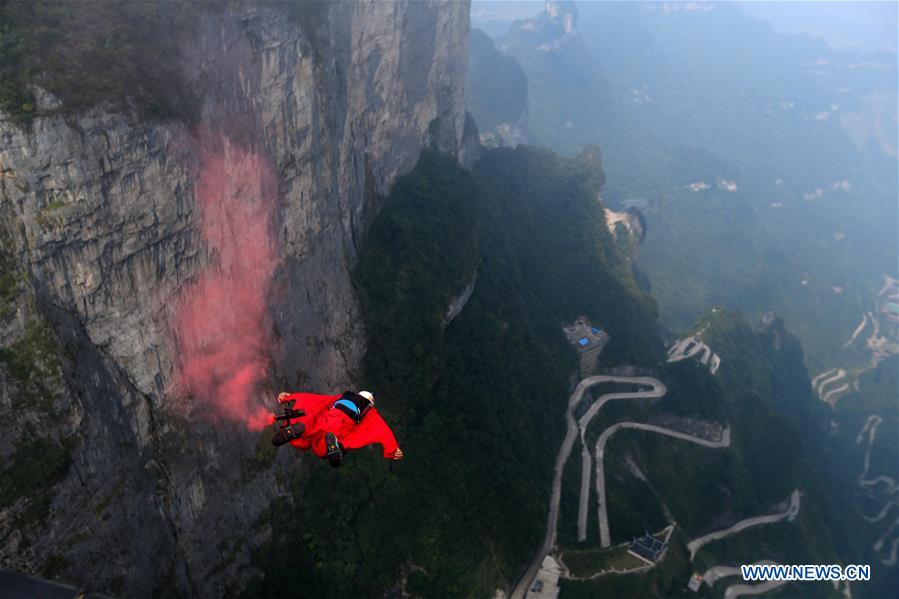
[368, 396]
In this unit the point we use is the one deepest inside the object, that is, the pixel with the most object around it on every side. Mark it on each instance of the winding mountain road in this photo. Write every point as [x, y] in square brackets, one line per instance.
[870, 429]
[821, 376]
[716, 573]
[834, 392]
[890, 488]
[549, 540]
[689, 347]
[790, 512]
[604, 538]
[658, 390]
[741, 590]
[833, 376]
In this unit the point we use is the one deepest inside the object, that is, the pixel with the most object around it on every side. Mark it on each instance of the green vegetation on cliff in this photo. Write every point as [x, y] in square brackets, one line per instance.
[119, 54]
[9, 276]
[127, 56]
[30, 473]
[32, 361]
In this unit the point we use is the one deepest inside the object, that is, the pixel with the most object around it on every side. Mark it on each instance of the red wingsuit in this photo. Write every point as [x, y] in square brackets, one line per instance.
[321, 418]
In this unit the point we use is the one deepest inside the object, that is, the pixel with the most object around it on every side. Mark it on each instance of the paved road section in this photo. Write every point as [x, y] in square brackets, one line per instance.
[830, 396]
[833, 376]
[716, 573]
[604, 538]
[689, 347]
[821, 376]
[552, 518]
[790, 513]
[742, 590]
[657, 390]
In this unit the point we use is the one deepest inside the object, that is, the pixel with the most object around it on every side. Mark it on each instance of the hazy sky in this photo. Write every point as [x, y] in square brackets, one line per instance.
[866, 25]
[862, 25]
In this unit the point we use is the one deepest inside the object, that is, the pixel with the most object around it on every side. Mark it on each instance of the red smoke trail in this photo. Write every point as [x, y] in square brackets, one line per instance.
[221, 321]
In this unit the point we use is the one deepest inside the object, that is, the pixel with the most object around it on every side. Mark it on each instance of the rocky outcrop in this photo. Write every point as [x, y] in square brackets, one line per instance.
[457, 303]
[506, 134]
[554, 29]
[101, 219]
[628, 228]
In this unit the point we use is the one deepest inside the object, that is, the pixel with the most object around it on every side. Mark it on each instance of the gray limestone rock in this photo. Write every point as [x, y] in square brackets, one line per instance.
[99, 213]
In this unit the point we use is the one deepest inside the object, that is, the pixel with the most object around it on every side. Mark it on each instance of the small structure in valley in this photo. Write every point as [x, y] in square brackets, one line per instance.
[546, 585]
[648, 548]
[695, 582]
[589, 342]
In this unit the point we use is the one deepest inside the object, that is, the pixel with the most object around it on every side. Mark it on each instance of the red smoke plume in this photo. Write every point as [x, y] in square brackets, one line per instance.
[221, 321]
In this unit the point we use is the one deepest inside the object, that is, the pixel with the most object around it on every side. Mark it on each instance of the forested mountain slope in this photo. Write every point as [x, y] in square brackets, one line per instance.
[746, 149]
[765, 165]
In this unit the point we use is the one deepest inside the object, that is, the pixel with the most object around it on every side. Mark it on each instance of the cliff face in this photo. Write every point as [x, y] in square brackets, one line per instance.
[130, 487]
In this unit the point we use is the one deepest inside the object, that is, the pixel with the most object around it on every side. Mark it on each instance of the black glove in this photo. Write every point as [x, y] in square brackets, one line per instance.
[287, 433]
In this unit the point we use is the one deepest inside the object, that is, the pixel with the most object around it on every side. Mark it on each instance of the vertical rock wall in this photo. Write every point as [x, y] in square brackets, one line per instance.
[150, 491]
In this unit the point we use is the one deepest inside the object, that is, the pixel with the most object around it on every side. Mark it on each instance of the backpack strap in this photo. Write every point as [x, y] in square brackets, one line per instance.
[348, 408]
[360, 402]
